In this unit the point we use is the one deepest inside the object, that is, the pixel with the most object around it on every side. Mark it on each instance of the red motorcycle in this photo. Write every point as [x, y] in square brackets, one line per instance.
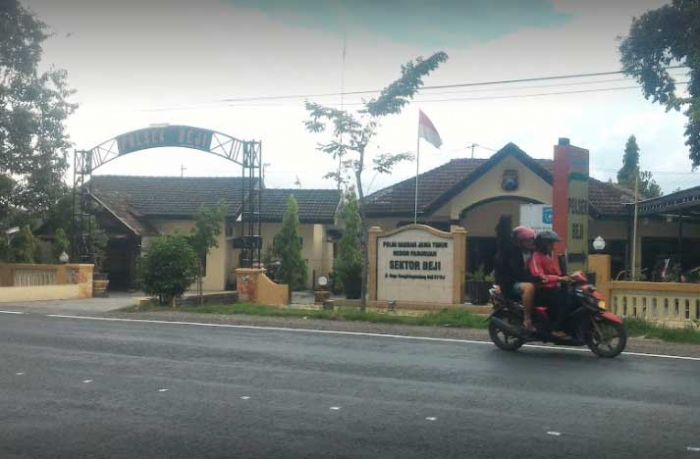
[589, 324]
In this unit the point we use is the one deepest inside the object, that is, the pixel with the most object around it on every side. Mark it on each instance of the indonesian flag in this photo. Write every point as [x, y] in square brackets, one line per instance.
[427, 130]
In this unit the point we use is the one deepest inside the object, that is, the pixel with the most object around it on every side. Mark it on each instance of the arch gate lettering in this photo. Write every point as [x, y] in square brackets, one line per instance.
[248, 154]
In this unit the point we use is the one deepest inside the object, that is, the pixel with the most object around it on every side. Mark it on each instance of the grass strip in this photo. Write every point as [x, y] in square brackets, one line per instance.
[640, 327]
[450, 318]
[445, 318]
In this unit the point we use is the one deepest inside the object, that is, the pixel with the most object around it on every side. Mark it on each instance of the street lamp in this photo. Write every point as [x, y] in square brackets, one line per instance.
[63, 257]
[599, 244]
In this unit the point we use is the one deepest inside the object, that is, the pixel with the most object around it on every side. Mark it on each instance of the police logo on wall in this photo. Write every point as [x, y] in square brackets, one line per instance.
[510, 180]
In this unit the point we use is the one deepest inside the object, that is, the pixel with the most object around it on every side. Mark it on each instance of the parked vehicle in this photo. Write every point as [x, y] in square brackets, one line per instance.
[589, 324]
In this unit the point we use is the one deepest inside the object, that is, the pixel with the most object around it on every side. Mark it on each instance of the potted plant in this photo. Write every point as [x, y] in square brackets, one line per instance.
[478, 285]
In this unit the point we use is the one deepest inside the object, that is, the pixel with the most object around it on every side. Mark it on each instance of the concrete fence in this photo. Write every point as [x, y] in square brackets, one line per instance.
[668, 303]
[33, 282]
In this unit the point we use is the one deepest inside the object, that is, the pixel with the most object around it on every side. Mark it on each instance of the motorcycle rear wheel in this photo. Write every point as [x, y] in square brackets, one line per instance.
[502, 339]
[607, 340]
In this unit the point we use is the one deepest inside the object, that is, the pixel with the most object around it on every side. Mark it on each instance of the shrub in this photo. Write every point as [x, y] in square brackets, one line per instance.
[170, 266]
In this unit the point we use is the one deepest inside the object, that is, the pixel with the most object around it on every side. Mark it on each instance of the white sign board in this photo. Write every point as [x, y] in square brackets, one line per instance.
[539, 217]
[415, 266]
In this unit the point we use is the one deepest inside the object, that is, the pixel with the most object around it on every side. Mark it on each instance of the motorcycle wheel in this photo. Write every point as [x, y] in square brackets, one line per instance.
[607, 339]
[502, 339]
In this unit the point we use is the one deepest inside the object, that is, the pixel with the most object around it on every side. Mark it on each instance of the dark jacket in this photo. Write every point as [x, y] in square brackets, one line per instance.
[510, 268]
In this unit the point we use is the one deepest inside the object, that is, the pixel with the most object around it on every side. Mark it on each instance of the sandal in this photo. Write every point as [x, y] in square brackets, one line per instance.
[561, 335]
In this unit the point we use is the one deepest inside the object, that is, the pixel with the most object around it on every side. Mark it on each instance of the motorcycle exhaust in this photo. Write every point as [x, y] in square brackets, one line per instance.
[506, 327]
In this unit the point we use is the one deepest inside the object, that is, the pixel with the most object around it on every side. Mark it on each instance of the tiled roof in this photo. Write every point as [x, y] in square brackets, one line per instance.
[399, 198]
[315, 206]
[608, 198]
[437, 186]
[131, 198]
[170, 196]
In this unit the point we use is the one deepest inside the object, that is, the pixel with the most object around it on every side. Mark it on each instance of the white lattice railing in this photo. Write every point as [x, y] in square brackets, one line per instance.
[33, 277]
[673, 304]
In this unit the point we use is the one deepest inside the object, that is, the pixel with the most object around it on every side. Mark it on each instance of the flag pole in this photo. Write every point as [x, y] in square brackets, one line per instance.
[415, 199]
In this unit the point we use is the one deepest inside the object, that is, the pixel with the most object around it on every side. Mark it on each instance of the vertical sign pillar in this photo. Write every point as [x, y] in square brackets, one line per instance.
[570, 202]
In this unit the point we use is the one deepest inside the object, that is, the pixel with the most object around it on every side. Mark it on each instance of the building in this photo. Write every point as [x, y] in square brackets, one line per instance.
[474, 193]
[135, 209]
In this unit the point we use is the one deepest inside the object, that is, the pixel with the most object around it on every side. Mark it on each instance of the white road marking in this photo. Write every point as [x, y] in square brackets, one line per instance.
[553, 433]
[87, 381]
[694, 449]
[245, 397]
[352, 333]
[20, 373]
[431, 418]
[162, 390]
[11, 312]
[335, 408]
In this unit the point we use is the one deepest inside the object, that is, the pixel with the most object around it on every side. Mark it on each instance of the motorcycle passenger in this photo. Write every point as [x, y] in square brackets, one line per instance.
[544, 266]
[511, 270]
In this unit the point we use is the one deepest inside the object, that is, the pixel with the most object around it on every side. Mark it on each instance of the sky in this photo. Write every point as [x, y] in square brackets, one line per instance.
[137, 63]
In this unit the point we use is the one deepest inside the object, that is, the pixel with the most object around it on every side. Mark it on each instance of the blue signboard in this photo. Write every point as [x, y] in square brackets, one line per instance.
[547, 216]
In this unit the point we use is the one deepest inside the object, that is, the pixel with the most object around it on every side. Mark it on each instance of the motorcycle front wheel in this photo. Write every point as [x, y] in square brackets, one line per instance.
[607, 339]
[502, 339]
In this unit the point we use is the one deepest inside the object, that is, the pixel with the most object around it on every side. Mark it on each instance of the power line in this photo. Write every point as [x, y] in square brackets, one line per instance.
[424, 88]
[695, 174]
[508, 96]
[445, 86]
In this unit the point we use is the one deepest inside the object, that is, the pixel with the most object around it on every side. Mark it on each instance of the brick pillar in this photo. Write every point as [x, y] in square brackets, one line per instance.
[459, 241]
[570, 202]
[372, 236]
[600, 266]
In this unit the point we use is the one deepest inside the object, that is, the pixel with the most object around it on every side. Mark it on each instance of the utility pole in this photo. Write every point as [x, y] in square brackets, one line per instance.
[182, 170]
[472, 146]
[634, 225]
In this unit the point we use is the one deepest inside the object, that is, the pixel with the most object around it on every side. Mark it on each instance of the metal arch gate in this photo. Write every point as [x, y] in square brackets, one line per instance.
[248, 154]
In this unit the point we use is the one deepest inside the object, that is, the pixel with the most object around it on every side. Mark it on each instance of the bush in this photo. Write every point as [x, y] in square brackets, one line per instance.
[170, 266]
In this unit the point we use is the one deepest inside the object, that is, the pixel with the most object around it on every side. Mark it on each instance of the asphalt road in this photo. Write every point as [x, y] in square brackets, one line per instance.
[84, 388]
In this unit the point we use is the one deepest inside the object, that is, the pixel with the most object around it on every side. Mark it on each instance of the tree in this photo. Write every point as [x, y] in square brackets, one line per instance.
[33, 109]
[207, 224]
[664, 37]
[630, 163]
[348, 263]
[23, 246]
[648, 188]
[353, 132]
[169, 267]
[288, 246]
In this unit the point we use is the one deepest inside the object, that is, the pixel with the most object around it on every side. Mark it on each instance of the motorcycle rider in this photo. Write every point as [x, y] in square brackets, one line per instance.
[549, 292]
[512, 256]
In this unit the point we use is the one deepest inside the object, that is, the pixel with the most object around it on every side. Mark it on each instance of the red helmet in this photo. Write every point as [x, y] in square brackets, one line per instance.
[522, 233]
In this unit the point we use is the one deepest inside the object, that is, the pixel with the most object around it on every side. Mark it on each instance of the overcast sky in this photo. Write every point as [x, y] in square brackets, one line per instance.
[135, 63]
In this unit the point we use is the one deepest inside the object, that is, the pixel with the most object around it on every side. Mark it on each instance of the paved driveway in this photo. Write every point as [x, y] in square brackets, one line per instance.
[91, 305]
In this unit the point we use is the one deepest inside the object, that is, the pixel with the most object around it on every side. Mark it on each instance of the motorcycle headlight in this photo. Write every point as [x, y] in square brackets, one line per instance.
[602, 305]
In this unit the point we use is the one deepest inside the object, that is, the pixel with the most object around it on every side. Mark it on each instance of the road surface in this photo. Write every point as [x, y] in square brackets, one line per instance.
[101, 388]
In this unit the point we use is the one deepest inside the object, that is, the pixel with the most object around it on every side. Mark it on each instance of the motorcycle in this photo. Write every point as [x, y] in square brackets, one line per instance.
[589, 323]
